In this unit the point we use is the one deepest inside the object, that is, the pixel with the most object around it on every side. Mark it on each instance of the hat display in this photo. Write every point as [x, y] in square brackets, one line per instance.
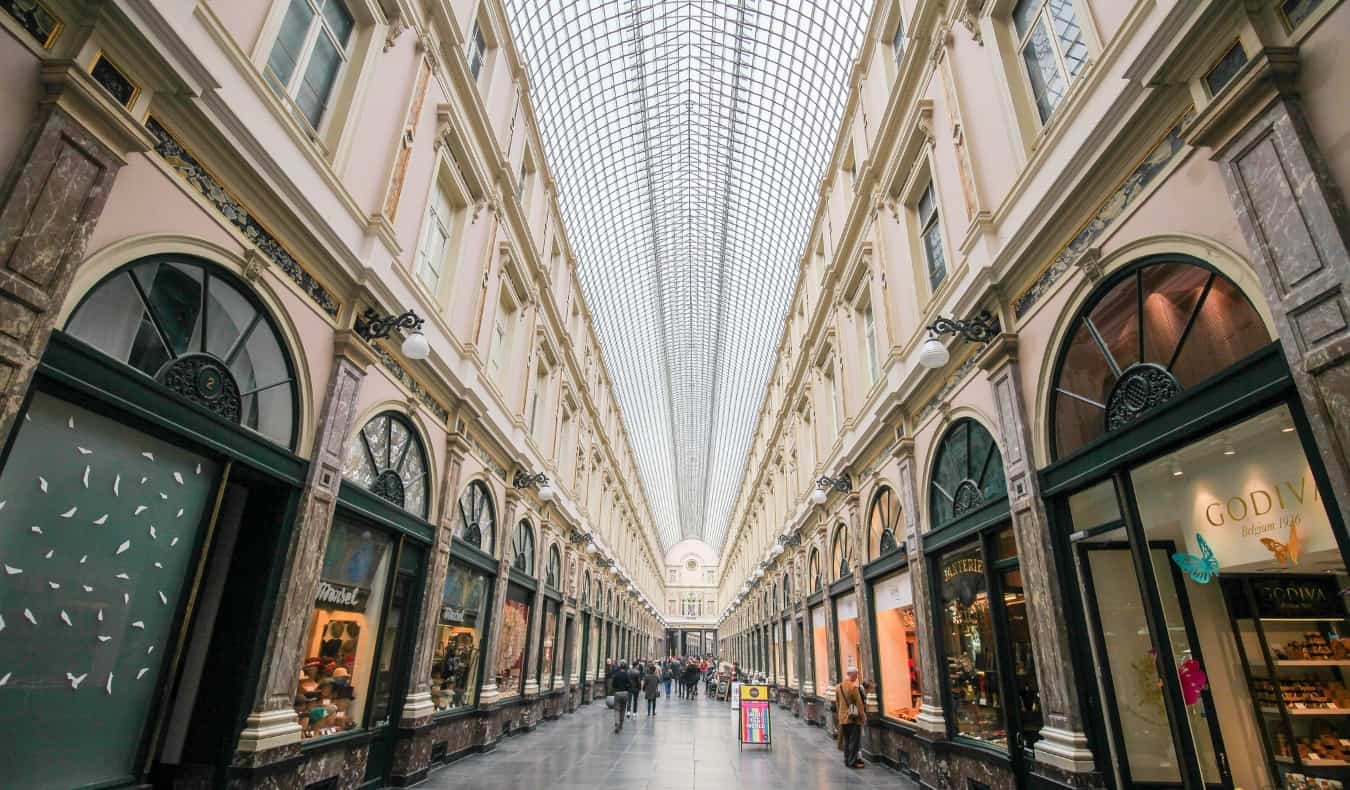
[341, 672]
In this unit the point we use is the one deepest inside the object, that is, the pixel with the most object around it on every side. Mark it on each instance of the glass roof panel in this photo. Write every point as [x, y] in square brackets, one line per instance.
[688, 139]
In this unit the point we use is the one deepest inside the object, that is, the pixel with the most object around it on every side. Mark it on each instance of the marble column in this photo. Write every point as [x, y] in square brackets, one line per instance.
[271, 732]
[930, 718]
[50, 200]
[418, 707]
[490, 693]
[1294, 218]
[1063, 743]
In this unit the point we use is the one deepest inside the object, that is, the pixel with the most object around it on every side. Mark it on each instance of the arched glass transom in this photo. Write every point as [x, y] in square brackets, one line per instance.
[787, 592]
[477, 519]
[967, 473]
[839, 554]
[387, 458]
[688, 141]
[197, 330]
[522, 548]
[883, 523]
[813, 571]
[553, 570]
[1146, 334]
[586, 588]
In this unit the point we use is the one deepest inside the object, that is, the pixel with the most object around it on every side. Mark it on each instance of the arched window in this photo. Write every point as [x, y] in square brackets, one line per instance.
[967, 473]
[813, 571]
[1145, 335]
[787, 592]
[839, 554]
[477, 519]
[883, 523]
[199, 331]
[773, 594]
[553, 571]
[586, 588]
[522, 548]
[387, 458]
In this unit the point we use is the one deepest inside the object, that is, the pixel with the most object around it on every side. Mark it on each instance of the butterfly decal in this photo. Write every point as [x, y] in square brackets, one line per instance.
[1201, 569]
[1285, 553]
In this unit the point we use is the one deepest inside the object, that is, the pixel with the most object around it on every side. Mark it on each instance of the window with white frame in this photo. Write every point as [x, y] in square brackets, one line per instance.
[828, 392]
[499, 356]
[538, 396]
[477, 50]
[523, 182]
[930, 231]
[898, 38]
[312, 47]
[436, 235]
[1051, 47]
[869, 329]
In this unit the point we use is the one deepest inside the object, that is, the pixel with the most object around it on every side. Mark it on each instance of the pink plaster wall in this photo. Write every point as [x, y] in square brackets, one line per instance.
[243, 19]
[22, 89]
[1109, 14]
[375, 140]
[143, 200]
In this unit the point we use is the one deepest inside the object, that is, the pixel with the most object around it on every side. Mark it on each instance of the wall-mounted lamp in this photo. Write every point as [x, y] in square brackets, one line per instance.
[524, 480]
[980, 329]
[370, 326]
[843, 484]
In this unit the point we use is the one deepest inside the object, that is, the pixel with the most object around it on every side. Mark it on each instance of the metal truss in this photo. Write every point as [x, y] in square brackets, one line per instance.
[688, 139]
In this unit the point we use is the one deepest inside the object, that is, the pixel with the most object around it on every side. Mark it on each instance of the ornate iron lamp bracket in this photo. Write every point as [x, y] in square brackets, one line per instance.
[524, 480]
[980, 329]
[843, 483]
[370, 325]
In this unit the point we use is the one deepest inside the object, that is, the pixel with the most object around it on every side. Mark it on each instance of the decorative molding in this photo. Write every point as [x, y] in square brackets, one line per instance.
[1163, 154]
[939, 398]
[206, 184]
[414, 386]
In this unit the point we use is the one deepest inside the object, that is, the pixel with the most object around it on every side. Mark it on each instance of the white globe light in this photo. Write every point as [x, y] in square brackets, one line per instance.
[933, 354]
[546, 492]
[818, 496]
[591, 548]
[415, 346]
[776, 550]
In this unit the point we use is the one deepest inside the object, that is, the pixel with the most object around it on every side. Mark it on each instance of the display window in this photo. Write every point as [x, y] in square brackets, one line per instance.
[514, 640]
[849, 636]
[820, 649]
[968, 640]
[334, 681]
[897, 647]
[790, 650]
[549, 638]
[457, 657]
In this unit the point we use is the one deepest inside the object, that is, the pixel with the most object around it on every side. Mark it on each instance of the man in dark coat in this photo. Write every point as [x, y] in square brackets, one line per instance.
[635, 679]
[621, 686]
[651, 688]
[691, 675]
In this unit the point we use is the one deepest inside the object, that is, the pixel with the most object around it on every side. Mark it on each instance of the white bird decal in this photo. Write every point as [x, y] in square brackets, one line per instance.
[75, 681]
[69, 513]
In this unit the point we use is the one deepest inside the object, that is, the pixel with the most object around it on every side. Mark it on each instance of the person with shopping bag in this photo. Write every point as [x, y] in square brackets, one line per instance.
[851, 710]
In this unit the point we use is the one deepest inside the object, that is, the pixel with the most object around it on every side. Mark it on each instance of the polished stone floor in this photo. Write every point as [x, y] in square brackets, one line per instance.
[688, 745]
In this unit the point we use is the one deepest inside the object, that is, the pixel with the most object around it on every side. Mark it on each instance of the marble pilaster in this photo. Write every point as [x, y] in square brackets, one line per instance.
[931, 718]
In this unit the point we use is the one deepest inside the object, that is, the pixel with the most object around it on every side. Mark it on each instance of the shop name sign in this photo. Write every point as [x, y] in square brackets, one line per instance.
[1259, 502]
[961, 567]
[452, 614]
[342, 596]
[1298, 596]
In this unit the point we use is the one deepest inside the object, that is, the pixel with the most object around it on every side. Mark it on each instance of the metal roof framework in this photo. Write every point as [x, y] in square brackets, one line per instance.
[688, 139]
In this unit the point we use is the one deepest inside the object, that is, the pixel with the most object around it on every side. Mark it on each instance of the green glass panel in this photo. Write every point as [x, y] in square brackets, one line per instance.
[99, 526]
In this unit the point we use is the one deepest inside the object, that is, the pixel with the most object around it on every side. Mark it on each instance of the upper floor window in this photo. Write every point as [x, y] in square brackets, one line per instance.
[540, 392]
[312, 48]
[1050, 42]
[898, 39]
[477, 50]
[387, 458]
[869, 325]
[499, 355]
[435, 246]
[931, 231]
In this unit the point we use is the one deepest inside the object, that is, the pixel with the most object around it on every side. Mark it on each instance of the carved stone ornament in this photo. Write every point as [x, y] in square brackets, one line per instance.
[1139, 390]
[1090, 263]
[254, 264]
[396, 28]
[204, 380]
[969, 16]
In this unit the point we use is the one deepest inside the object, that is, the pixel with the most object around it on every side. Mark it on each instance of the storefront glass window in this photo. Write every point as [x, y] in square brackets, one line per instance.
[386, 680]
[459, 638]
[90, 603]
[549, 637]
[1025, 685]
[968, 637]
[387, 458]
[775, 654]
[850, 638]
[897, 649]
[813, 571]
[331, 692]
[1242, 505]
[510, 669]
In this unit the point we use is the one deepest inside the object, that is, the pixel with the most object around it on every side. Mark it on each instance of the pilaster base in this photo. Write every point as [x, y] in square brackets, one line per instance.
[268, 730]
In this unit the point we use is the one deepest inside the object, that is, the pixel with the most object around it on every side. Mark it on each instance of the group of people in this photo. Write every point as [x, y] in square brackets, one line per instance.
[626, 681]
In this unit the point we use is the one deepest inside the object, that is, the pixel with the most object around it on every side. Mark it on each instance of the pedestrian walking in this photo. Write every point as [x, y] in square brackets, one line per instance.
[848, 702]
[667, 675]
[635, 681]
[621, 685]
[651, 687]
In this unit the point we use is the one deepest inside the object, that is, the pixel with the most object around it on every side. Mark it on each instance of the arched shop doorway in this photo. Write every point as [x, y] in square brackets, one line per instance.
[147, 498]
[1209, 553]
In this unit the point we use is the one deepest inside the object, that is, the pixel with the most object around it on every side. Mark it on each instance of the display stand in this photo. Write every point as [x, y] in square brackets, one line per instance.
[1291, 632]
[754, 726]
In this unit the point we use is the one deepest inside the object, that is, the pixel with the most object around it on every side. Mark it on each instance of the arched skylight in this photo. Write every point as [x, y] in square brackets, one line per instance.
[688, 139]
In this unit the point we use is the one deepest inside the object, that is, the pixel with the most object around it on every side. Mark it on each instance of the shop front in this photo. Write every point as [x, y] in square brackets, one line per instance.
[1209, 552]
[146, 497]
[989, 684]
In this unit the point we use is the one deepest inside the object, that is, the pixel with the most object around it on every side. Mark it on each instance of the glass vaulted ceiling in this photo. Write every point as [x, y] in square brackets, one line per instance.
[688, 139]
